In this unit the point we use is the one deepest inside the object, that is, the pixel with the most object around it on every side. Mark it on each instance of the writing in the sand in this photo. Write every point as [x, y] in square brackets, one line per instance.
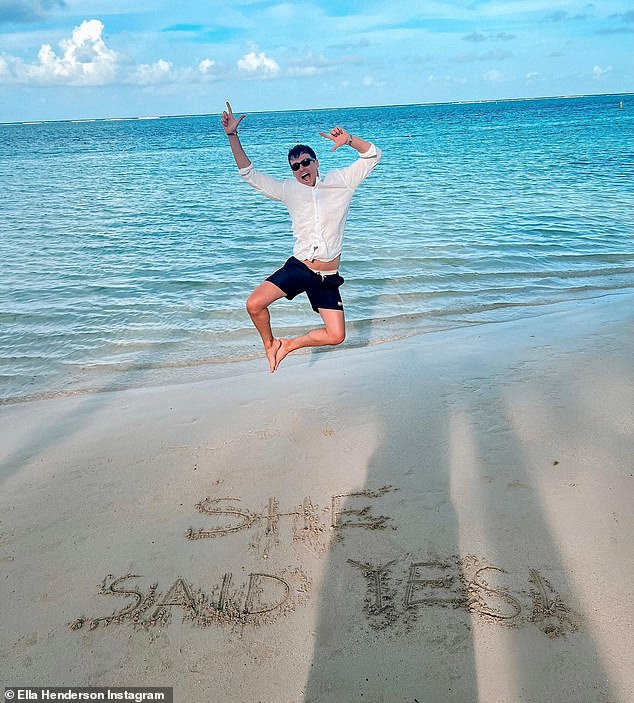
[395, 593]
[256, 600]
[309, 525]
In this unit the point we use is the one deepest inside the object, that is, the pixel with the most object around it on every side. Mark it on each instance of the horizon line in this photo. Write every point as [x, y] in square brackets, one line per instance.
[317, 109]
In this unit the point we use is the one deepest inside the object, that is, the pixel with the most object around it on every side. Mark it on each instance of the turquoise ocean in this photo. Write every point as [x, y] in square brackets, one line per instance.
[128, 247]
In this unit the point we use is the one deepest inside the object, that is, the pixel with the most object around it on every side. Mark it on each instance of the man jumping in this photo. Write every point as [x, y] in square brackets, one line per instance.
[318, 207]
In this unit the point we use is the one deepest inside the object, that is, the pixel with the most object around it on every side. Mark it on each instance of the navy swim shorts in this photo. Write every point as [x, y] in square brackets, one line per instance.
[322, 291]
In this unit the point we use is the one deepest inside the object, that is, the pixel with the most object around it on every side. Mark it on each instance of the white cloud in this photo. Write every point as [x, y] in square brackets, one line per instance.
[206, 66]
[259, 64]
[312, 65]
[4, 69]
[162, 72]
[494, 77]
[302, 71]
[371, 82]
[85, 60]
[598, 71]
[209, 70]
[151, 74]
[446, 79]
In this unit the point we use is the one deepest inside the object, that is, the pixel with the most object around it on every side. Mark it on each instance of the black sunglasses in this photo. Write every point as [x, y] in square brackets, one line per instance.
[304, 162]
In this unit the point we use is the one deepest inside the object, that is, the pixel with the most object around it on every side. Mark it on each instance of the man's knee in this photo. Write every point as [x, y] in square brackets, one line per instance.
[336, 336]
[254, 305]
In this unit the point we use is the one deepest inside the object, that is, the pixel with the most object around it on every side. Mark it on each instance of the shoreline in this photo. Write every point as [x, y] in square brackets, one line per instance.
[446, 517]
[149, 375]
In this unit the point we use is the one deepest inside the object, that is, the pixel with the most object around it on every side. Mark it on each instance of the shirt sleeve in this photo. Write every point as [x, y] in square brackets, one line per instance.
[271, 187]
[354, 174]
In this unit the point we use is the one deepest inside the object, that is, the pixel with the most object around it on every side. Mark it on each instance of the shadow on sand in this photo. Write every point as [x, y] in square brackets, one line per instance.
[453, 586]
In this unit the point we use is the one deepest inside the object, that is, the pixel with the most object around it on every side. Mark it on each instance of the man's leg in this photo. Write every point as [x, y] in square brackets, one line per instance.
[258, 308]
[333, 332]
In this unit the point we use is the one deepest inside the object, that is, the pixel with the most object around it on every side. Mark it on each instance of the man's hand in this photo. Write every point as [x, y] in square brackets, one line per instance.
[230, 125]
[337, 135]
[229, 122]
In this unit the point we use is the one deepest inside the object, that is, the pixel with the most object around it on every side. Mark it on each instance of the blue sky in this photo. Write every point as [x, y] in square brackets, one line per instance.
[79, 59]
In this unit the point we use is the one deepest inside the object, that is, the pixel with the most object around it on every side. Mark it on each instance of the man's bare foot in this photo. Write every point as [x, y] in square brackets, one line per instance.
[271, 353]
[281, 352]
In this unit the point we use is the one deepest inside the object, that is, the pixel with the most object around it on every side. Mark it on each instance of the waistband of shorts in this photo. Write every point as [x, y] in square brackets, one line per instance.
[323, 274]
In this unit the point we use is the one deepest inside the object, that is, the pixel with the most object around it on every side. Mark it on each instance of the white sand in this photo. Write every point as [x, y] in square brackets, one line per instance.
[493, 562]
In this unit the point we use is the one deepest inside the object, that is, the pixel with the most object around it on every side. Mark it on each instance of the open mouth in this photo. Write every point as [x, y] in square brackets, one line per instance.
[305, 176]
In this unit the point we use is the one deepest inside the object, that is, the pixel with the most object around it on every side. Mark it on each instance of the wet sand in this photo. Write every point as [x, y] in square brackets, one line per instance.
[443, 518]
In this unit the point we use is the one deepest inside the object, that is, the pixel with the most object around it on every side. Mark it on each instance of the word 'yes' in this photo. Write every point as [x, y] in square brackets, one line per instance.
[466, 584]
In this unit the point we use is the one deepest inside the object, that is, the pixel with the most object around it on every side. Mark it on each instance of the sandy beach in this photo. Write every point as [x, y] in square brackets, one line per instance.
[442, 518]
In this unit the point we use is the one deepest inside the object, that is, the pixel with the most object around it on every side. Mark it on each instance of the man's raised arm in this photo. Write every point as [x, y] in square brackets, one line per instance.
[230, 126]
[340, 137]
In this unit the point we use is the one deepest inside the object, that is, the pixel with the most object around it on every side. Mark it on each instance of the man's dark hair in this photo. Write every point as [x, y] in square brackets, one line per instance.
[300, 149]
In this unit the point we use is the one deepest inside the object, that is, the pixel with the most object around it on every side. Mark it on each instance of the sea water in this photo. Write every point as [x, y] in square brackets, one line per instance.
[128, 247]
